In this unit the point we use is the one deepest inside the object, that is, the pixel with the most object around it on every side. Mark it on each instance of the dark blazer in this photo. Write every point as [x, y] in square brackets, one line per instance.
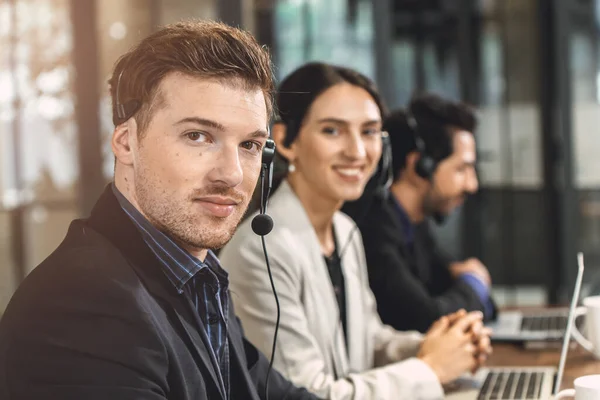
[98, 319]
[412, 288]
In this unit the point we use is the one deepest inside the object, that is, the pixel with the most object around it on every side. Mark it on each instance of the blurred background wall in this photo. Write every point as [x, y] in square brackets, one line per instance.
[532, 68]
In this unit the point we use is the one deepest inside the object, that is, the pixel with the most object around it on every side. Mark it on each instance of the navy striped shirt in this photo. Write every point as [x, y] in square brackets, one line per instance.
[206, 283]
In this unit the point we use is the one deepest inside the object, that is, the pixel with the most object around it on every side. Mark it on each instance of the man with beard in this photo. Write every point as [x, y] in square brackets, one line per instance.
[433, 166]
[132, 304]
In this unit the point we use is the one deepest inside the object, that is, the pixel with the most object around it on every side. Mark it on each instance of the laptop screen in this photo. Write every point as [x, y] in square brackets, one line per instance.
[571, 318]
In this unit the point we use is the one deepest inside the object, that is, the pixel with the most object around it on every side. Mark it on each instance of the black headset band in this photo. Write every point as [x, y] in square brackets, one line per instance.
[127, 109]
[416, 132]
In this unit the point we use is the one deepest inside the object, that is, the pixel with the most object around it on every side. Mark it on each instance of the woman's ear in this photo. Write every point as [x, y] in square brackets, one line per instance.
[279, 132]
[411, 160]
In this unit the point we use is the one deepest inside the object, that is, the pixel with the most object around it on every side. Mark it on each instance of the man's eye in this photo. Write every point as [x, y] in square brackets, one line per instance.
[252, 146]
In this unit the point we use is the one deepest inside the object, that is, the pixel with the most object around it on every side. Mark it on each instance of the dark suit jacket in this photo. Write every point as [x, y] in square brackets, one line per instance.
[98, 319]
[412, 288]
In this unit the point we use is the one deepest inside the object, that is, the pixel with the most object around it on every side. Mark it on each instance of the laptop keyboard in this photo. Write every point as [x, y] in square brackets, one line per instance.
[511, 385]
[544, 323]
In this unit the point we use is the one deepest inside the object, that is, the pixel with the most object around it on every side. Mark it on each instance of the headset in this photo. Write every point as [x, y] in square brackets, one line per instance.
[124, 111]
[386, 172]
[425, 165]
[262, 224]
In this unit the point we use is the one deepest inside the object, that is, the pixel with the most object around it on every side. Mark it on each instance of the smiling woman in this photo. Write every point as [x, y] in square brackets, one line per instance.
[331, 339]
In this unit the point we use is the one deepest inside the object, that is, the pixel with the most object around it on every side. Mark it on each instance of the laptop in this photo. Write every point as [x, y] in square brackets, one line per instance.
[508, 383]
[541, 325]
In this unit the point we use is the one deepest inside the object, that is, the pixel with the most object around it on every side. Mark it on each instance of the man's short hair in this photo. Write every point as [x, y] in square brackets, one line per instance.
[203, 49]
[436, 119]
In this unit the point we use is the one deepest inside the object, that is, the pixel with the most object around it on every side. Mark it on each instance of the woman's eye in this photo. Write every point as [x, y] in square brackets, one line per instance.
[371, 132]
[330, 130]
[196, 136]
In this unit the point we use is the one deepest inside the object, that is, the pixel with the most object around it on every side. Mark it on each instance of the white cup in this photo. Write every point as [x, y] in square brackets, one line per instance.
[591, 340]
[586, 388]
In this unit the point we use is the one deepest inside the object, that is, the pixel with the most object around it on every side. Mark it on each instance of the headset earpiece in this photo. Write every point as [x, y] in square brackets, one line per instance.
[386, 174]
[268, 152]
[268, 157]
[425, 165]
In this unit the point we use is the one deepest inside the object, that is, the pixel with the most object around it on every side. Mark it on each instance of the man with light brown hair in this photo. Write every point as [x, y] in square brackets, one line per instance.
[133, 304]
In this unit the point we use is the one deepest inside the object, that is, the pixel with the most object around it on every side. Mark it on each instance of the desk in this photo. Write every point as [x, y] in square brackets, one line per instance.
[579, 361]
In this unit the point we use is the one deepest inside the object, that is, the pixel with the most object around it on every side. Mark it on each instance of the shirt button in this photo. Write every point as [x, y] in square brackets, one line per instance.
[213, 319]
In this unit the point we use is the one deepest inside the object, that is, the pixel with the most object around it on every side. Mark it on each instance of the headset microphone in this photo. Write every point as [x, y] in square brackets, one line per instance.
[262, 224]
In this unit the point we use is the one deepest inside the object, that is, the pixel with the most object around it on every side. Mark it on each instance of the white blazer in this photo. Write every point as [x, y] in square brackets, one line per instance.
[311, 351]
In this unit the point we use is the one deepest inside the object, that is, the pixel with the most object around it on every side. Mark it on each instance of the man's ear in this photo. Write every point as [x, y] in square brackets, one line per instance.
[410, 168]
[279, 133]
[124, 140]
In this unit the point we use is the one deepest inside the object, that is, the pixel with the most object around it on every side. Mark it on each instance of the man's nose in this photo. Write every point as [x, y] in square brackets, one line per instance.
[472, 182]
[227, 167]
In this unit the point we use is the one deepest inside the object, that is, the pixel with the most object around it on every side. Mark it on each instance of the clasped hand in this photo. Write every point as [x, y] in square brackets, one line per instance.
[455, 344]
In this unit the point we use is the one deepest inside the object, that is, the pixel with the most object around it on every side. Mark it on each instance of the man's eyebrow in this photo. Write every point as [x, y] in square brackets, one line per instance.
[260, 134]
[201, 121]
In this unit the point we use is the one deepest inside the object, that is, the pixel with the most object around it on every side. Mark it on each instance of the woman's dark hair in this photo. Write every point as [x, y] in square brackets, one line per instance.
[298, 91]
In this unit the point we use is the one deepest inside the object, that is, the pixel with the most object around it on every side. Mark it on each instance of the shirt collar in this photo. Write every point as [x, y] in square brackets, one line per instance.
[178, 264]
